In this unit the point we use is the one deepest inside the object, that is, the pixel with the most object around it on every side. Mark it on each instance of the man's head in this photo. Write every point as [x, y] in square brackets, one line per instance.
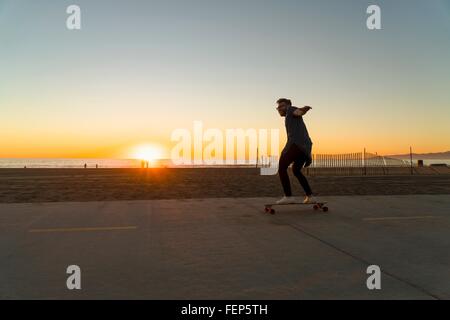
[283, 105]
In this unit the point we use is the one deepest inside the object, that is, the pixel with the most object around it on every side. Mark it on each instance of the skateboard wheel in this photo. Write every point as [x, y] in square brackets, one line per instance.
[316, 207]
[272, 211]
[325, 209]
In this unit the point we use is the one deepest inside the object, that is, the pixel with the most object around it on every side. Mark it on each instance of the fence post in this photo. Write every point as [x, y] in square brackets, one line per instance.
[364, 162]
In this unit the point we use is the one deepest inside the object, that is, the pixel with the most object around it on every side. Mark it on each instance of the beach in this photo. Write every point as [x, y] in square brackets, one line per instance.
[60, 185]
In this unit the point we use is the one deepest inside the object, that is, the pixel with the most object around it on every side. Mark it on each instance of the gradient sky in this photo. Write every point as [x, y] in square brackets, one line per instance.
[140, 69]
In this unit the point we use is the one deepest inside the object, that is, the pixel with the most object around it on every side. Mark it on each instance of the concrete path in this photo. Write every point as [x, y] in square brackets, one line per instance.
[227, 249]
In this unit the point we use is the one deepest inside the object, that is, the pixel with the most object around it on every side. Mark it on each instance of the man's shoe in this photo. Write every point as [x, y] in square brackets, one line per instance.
[286, 200]
[309, 199]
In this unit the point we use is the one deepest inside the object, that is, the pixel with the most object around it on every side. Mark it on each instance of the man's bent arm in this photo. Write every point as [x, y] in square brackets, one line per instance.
[299, 112]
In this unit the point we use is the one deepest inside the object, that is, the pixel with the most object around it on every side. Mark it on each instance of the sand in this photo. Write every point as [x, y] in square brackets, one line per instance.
[56, 185]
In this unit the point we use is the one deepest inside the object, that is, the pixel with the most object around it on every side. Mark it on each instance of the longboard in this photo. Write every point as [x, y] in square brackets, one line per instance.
[316, 206]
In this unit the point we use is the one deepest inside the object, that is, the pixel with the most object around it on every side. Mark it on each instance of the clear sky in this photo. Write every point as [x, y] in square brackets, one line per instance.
[140, 69]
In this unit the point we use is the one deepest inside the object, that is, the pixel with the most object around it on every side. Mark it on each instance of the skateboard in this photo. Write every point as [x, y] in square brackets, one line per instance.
[316, 206]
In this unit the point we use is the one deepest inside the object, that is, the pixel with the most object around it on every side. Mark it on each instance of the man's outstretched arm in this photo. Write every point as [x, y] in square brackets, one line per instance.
[299, 112]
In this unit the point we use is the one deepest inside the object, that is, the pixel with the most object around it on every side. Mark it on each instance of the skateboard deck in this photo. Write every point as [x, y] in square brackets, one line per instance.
[316, 206]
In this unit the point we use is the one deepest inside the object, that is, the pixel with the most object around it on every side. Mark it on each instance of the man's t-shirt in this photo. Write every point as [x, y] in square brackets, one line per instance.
[297, 132]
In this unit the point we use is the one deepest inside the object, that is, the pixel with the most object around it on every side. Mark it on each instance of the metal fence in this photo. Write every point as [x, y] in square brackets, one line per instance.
[359, 163]
[374, 160]
[349, 160]
[337, 164]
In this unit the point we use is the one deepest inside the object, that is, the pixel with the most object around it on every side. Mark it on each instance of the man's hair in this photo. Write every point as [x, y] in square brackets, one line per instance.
[284, 100]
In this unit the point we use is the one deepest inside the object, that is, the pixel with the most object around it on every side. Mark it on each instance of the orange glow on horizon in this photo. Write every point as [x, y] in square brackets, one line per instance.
[147, 152]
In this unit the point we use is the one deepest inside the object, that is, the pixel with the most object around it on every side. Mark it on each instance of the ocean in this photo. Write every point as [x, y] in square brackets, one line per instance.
[69, 163]
[113, 163]
[93, 163]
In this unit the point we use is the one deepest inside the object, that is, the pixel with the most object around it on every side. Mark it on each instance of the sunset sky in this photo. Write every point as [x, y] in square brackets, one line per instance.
[140, 69]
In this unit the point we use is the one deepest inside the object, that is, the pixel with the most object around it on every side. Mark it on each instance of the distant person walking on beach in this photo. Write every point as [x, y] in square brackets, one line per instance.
[297, 150]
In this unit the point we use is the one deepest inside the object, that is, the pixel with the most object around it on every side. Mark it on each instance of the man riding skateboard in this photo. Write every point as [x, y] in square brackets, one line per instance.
[297, 150]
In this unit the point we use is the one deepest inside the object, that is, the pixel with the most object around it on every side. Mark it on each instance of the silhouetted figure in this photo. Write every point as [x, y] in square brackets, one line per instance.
[146, 164]
[85, 165]
[297, 150]
[142, 164]
[96, 166]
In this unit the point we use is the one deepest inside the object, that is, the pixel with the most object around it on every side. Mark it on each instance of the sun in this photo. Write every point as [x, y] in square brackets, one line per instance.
[147, 152]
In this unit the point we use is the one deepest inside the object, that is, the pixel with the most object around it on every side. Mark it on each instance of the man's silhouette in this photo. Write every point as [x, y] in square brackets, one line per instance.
[297, 150]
